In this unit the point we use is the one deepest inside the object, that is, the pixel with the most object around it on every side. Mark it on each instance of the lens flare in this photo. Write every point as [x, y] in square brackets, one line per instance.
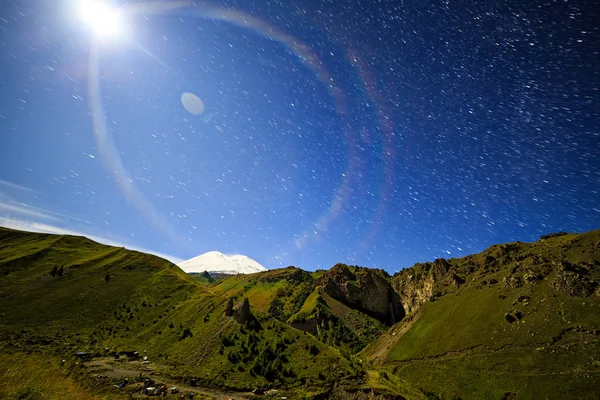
[97, 11]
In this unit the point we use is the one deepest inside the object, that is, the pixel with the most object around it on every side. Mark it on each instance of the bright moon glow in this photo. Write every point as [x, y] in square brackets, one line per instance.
[104, 20]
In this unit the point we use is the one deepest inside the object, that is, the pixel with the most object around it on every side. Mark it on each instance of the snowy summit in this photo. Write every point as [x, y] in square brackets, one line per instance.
[214, 261]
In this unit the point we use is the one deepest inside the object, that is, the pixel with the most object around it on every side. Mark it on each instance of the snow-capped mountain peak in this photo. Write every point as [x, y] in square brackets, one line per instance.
[215, 261]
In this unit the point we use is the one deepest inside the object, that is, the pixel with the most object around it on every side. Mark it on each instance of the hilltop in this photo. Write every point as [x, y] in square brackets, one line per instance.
[519, 320]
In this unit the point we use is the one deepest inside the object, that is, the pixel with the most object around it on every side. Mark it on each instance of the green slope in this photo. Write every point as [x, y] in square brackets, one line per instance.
[295, 297]
[460, 343]
[117, 299]
[279, 292]
[34, 376]
[519, 320]
[202, 277]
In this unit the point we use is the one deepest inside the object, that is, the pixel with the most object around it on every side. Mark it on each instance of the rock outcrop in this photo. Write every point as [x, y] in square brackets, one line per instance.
[229, 308]
[242, 313]
[366, 290]
[415, 285]
[457, 280]
[573, 284]
[553, 235]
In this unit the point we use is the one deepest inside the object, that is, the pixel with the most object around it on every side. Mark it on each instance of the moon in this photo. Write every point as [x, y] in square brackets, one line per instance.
[192, 103]
[105, 21]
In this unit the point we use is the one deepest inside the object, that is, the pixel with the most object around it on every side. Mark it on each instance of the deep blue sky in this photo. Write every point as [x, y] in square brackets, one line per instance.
[372, 133]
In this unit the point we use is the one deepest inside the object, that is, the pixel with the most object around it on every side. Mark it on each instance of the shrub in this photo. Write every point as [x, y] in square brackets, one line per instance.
[187, 332]
[226, 340]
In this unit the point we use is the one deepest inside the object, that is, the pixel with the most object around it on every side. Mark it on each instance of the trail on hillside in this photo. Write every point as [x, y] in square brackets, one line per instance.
[120, 370]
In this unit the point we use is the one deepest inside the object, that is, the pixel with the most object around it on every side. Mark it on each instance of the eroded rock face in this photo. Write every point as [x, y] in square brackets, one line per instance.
[242, 312]
[414, 290]
[415, 285]
[366, 290]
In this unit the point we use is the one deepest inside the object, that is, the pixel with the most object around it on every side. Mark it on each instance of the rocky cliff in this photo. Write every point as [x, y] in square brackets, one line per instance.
[366, 290]
[418, 284]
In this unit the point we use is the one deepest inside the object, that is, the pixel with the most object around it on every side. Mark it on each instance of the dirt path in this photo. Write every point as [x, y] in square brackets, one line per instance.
[107, 366]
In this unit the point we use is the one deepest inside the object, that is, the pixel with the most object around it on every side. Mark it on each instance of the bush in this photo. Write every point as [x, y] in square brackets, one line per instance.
[187, 332]
[226, 341]
[233, 357]
[276, 309]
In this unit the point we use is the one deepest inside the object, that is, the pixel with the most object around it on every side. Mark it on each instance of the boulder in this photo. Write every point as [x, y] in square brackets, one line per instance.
[524, 299]
[518, 315]
[509, 318]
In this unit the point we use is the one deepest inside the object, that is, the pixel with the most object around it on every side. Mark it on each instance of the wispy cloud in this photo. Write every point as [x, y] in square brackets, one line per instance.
[21, 209]
[32, 211]
[17, 187]
[33, 226]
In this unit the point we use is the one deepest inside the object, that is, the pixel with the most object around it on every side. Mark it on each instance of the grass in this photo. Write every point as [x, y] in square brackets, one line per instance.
[33, 376]
[148, 304]
[461, 345]
[308, 309]
[529, 373]
[203, 278]
[455, 341]
[291, 295]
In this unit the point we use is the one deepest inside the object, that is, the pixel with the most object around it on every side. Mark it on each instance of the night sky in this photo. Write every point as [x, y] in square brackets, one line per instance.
[375, 133]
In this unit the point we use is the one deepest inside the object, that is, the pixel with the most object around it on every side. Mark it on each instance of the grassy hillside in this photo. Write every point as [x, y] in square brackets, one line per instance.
[279, 292]
[202, 277]
[33, 376]
[520, 319]
[63, 294]
[297, 298]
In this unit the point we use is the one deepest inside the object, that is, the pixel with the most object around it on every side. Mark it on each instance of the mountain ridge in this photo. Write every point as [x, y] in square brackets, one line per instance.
[518, 320]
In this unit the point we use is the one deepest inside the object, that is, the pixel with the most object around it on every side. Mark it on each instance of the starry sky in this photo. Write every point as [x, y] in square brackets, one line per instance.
[375, 133]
